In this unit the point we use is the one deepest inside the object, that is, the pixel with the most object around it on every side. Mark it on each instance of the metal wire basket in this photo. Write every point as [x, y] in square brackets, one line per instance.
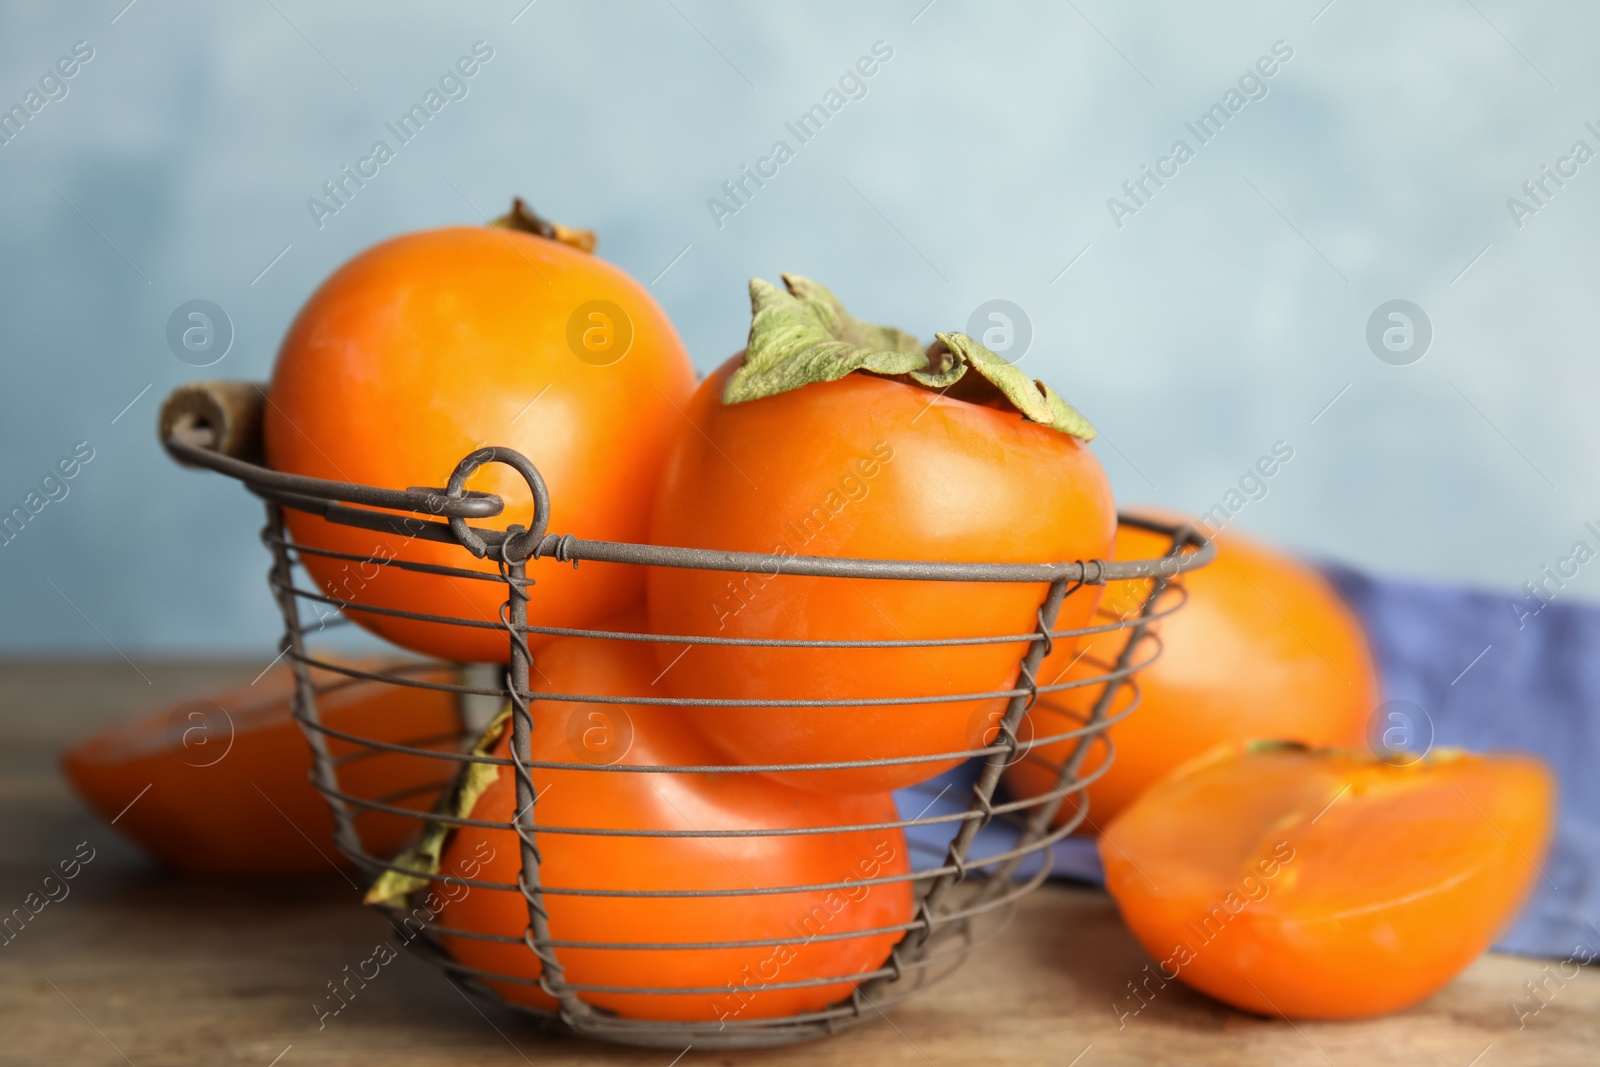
[961, 899]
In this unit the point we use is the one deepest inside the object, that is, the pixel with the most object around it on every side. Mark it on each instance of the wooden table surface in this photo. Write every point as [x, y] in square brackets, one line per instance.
[139, 967]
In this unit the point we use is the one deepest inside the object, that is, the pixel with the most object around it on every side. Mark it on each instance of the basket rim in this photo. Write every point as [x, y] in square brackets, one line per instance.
[396, 511]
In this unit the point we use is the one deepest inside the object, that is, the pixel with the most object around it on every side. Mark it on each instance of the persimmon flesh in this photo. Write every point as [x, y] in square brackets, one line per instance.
[229, 775]
[1328, 885]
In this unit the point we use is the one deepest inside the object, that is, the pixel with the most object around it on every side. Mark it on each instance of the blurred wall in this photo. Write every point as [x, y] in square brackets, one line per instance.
[1198, 322]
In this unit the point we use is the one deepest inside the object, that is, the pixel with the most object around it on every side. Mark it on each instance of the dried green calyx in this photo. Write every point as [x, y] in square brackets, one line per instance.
[805, 335]
[474, 780]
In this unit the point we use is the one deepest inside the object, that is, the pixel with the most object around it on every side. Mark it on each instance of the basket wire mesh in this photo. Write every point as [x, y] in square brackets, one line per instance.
[961, 900]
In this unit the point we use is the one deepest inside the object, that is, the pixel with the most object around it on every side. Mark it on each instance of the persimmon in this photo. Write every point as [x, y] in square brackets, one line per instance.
[832, 437]
[428, 346]
[221, 785]
[1264, 647]
[592, 737]
[1326, 884]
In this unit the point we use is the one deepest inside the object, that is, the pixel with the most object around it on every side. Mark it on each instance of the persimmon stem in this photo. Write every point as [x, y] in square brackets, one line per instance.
[523, 218]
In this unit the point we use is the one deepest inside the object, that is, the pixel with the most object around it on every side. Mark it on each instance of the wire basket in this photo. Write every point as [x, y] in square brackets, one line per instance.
[961, 899]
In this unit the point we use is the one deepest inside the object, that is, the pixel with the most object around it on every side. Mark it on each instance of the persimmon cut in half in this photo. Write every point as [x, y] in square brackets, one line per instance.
[842, 930]
[832, 437]
[429, 346]
[1324, 884]
[1263, 647]
[221, 785]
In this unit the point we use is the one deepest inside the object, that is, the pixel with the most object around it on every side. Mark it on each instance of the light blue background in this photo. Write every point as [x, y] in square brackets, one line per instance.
[1221, 318]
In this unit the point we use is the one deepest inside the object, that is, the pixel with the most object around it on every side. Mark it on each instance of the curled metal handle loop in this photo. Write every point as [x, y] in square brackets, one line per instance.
[558, 547]
[519, 546]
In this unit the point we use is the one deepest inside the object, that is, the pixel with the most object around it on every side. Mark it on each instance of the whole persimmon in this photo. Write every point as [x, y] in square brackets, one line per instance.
[1325, 884]
[1263, 647]
[431, 345]
[222, 786]
[832, 437]
[828, 932]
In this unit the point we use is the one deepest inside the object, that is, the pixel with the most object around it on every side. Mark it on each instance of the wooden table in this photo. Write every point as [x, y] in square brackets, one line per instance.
[138, 967]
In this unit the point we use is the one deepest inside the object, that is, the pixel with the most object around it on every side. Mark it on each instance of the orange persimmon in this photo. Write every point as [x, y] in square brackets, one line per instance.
[797, 450]
[1325, 884]
[221, 786]
[1263, 647]
[748, 979]
[426, 347]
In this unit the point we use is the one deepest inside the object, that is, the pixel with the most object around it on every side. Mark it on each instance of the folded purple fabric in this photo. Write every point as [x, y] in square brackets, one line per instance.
[1459, 667]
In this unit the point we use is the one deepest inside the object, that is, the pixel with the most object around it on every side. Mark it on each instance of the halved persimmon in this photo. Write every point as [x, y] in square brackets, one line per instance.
[222, 785]
[1325, 884]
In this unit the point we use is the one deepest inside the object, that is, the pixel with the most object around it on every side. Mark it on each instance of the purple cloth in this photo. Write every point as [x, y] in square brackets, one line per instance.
[1459, 667]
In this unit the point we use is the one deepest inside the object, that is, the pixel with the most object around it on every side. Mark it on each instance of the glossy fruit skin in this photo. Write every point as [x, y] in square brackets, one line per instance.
[424, 348]
[622, 800]
[1324, 885]
[230, 792]
[870, 468]
[1263, 647]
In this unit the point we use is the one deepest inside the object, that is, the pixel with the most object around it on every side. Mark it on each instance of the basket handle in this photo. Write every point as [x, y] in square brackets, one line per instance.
[220, 416]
